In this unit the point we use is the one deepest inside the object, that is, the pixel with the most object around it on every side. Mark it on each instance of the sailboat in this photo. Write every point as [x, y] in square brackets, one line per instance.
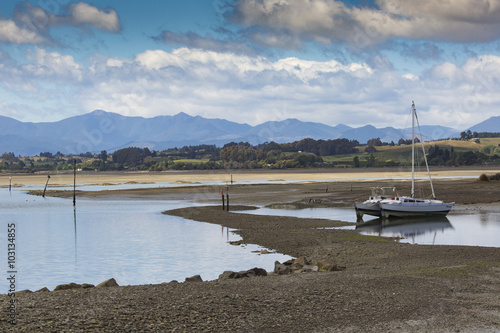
[403, 206]
[371, 205]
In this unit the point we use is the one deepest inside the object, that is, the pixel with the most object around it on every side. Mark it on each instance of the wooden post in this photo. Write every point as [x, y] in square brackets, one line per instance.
[222, 194]
[227, 198]
[47, 183]
[10, 183]
[74, 182]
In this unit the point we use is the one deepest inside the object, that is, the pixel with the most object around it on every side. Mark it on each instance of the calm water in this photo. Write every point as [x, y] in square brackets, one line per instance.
[479, 229]
[136, 244]
[128, 240]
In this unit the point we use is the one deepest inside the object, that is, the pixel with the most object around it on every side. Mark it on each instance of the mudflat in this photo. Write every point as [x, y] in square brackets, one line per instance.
[225, 176]
[386, 286]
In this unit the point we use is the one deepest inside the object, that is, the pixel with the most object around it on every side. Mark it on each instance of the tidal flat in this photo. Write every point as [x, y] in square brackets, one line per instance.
[386, 285]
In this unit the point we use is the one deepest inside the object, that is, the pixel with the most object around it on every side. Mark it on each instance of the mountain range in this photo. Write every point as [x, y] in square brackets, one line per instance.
[100, 130]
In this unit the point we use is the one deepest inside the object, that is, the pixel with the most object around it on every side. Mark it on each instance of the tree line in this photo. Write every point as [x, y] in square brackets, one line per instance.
[241, 155]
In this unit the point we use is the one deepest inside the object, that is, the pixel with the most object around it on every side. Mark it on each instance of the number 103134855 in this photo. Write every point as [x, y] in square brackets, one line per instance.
[11, 246]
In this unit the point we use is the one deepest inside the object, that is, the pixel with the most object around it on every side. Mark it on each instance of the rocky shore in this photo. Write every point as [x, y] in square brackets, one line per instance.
[380, 285]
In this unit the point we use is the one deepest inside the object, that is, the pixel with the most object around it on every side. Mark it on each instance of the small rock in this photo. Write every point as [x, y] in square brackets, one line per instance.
[68, 286]
[322, 265]
[302, 261]
[244, 274]
[310, 268]
[87, 285]
[194, 278]
[43, 290]
[25, 291]
[258, 271]
[108, 283]
[227, 275]
[281, 269]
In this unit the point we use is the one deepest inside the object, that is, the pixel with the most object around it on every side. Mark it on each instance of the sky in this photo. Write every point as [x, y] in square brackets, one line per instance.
[251, 61]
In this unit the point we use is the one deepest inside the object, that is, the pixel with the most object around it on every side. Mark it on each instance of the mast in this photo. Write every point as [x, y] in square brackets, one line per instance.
[425, 156]
[412, 149]
[413, 118]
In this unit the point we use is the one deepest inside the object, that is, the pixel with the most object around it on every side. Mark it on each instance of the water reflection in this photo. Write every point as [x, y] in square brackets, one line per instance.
[476, 228]
[130, 241]
[76, 243]
[408, 228]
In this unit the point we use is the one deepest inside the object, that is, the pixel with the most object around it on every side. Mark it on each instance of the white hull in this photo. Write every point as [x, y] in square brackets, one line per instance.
[370, 208]
[405, 209]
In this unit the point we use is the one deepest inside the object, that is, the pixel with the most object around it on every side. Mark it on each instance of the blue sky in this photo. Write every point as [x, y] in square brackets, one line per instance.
[250, 61]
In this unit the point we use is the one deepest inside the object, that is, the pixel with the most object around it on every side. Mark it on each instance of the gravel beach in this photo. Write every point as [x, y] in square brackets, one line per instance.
[386, 286]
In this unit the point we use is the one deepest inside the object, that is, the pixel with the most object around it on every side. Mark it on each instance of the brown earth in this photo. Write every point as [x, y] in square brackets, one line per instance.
[387, 286]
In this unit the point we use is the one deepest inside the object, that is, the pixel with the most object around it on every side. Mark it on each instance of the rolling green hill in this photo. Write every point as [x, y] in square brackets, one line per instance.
[402, 154]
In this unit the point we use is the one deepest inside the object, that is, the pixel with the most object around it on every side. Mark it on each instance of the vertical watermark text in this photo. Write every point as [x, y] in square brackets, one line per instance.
[11, 271]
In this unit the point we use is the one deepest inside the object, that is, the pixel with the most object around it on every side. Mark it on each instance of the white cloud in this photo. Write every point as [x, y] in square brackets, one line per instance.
[255, 89]
[53, 65]
[32, 25]
[251, 89]
[105, 20]
[11, 33]
[156, 59]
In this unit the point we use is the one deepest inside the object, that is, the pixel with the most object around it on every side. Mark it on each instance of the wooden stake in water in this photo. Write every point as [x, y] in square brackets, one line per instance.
[74, 182]
[222, 194]
[47, 183]
[227, 198]
[10, 183]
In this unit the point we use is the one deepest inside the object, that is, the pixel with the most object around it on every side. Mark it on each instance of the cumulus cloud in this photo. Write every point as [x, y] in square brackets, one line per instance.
[326, 21]
[31, 24]
[254, 89]
[104, 20]
[10, 32]
[53, 65]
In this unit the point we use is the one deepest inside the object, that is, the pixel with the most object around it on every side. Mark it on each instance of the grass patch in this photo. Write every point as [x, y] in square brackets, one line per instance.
[192, 160]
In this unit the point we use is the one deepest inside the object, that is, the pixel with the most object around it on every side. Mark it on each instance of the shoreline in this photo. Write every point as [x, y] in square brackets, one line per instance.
[224, 176]
[387, 285]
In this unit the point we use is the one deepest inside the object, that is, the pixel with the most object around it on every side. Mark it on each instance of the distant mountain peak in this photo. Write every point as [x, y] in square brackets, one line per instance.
[99, 112]
[182, 115]
[102, 130]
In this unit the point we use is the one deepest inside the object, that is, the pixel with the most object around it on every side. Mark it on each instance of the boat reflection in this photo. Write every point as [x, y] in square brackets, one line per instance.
[408, 228]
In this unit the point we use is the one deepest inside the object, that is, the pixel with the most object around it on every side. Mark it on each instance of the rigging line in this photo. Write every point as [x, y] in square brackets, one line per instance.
[425, 157]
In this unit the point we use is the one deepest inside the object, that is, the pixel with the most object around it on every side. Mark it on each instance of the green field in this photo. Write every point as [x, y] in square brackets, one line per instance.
[192, 160]
[403, 152]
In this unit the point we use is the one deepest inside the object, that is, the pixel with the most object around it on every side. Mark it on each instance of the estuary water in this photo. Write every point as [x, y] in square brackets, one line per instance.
[473, 229]
[130, 241]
